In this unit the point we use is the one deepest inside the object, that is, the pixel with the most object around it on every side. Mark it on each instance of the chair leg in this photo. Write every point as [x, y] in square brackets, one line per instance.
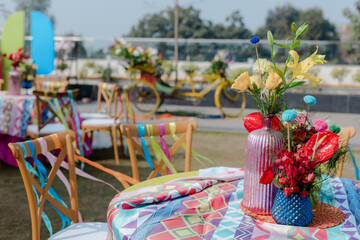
[117, 161]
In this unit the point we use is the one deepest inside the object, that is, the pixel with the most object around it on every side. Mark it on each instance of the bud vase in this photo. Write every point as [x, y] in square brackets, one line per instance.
[292, 210]
[14, 83]
[261, 147]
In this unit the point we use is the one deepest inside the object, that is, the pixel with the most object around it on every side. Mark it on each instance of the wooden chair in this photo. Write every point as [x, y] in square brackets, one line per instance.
[185, 128]
[51, 78]
[45, 191]
[50, 86]
[106, 92]
[108, 124]
[345, 134]
[43, 101]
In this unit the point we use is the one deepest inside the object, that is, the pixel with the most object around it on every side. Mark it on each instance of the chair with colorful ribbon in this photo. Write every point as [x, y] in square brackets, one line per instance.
[345, 134]
[40, 189]
[50, 85]
[163, 153]
[105, 99]
[54, 112]
[107, 124]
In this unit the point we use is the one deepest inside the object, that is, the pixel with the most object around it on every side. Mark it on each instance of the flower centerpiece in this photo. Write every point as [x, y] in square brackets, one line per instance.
[14, 78]
[310, 151]
[267, 88]
[148, 61]
[28, 72]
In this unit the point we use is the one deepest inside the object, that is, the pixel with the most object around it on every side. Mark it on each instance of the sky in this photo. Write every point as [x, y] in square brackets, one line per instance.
[109, 18]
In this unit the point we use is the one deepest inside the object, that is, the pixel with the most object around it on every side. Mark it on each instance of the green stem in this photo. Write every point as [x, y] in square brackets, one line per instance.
[273, 103]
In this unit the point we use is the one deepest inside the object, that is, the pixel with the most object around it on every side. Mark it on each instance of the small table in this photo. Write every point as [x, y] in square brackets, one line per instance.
[14, 118]
[214, 212]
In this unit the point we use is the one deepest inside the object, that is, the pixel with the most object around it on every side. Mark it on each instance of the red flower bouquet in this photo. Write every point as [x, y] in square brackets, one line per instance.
[18, 57]
[296, 171]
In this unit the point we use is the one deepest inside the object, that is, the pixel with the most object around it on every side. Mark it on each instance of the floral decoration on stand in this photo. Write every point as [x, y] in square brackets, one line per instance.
[218, 67]
[62, 49]
[145, 60]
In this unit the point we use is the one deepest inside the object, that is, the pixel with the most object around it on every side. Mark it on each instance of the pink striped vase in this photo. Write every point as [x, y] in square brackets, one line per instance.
[261, 148]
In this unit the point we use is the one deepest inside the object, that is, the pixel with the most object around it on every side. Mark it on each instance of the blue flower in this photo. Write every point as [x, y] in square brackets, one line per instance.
[289, 115]
[255, 40]
[310, 100]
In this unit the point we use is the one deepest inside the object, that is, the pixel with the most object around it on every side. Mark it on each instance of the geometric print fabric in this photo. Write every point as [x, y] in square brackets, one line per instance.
[215, 213]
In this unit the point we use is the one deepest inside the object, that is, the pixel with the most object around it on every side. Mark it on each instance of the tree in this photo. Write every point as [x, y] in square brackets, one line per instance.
[354, 51]
[161, 25]
[191, 25]
[279, 21]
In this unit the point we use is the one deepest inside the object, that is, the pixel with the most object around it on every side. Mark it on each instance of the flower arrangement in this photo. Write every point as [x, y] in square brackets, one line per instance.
[219, 64]
[28, 70]
[270, 84]
[62, 50]
[146, 60]
[310, 151]
[18, 57]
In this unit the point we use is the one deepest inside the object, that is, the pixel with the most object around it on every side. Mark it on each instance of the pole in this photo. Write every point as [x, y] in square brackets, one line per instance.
[176, 36]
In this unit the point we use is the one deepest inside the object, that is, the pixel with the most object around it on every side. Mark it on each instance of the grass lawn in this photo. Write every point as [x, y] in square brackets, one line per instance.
[225, 149]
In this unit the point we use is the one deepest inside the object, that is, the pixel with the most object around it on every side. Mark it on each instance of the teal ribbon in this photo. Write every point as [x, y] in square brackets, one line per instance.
[356, 169]
[141, 132]
[42, 175]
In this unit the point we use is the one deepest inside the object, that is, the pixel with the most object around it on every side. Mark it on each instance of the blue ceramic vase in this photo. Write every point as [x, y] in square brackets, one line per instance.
[292, 210]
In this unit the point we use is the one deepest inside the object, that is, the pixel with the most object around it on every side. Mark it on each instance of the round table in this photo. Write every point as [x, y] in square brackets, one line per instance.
[145, 212]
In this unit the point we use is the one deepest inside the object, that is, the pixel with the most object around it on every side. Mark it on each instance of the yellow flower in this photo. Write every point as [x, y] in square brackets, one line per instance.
[242, 82]
[300, 68]
[272, 81]
[254, 79]
[130, 50]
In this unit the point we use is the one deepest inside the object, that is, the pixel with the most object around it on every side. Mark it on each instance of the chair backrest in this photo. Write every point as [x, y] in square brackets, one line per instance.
[38, 183]
[107, 92]
[58, 103]
[47, 85]
[345, 134]
[131, 132]
[55, 78]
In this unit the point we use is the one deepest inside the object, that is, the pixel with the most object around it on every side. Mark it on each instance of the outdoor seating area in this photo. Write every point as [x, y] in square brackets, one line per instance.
[214, 131]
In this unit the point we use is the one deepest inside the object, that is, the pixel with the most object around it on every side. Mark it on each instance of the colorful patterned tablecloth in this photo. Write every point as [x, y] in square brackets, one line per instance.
[15, 114]
[208, 207]
[14, 118]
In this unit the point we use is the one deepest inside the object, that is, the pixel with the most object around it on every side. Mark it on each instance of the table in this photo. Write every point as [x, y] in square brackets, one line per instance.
[14, 117]
[210, 209]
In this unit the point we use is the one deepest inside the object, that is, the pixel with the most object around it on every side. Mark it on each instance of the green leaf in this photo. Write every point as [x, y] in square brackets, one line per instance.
[301, 30]
[282, 45]
[296, 84]
[270, 38]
